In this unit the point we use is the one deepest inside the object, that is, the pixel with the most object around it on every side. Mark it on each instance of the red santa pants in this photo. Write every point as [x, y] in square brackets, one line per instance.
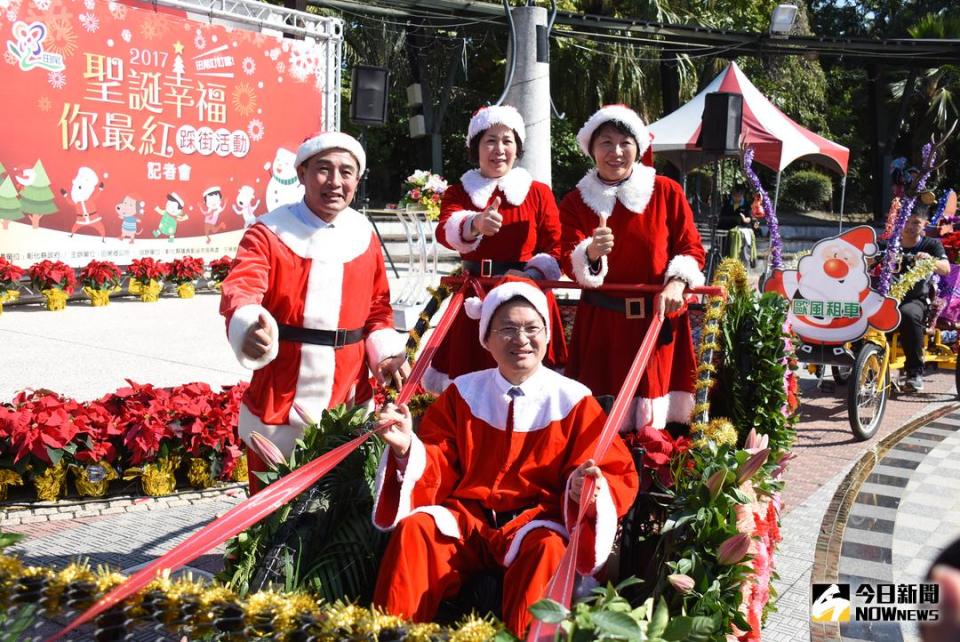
[422, 567]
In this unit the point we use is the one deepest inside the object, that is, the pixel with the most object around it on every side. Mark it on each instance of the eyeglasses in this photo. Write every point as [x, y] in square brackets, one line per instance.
[513, 333]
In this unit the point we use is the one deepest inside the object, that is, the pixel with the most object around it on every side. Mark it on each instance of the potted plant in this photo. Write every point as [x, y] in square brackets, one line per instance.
[55, 280]
[219, 269]
[147, 273]
[194, 418]
[98, 434]
[423, 190]
[99, 280]
[184, 272]
[10, 276]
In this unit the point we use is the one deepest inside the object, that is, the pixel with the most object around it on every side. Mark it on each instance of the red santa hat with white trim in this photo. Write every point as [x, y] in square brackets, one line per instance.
[622, 115]
[508, 288]
[323, 141]
[863, 238]
[486, 117]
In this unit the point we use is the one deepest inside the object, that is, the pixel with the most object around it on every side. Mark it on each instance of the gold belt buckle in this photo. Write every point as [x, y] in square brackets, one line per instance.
[635, 308]
[486, 267]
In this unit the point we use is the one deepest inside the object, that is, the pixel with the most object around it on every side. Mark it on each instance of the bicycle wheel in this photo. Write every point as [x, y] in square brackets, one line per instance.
[865, 404]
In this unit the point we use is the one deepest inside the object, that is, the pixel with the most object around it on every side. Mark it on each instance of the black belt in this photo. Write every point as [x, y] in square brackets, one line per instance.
[633, 308]
[486, 267]
[501, 519]
[335, 338]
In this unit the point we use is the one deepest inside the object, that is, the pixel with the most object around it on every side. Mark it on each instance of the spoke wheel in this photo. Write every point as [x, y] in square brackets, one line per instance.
[865, 404]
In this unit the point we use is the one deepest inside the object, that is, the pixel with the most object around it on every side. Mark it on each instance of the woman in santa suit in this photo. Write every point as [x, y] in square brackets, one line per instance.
[624, 224]
[501, 221]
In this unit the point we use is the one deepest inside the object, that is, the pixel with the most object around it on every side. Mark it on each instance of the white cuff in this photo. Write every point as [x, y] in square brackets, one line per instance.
[416, 464]
[605, 527]
[245, 317]
[454, 234]
[581, 266]
[686, 268]
[546, 265]
[382, 344]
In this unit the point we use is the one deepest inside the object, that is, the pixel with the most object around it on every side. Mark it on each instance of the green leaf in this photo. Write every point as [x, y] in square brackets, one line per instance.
[549, 611]
[633, 580]
[691, 629]
[620, 625]
[661, 616]
[55, 455]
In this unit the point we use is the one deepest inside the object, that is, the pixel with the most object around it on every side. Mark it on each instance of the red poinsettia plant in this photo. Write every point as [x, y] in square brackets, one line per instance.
[147, 269]
[48, 274]
[99, 433]
[144, 417]
[661, 452]
[100, 275]
[206, 423]
[10, 274]
[185, 270]
[220, 268]
[37, 428]
[228, 401]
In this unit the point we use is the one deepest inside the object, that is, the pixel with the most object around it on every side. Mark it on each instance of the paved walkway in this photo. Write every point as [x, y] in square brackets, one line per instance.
[86, 352]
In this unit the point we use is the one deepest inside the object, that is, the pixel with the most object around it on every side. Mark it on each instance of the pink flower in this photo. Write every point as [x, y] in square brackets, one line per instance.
[303, 414]
[755, 443]
[682, 583]
[415, 194]
[266, 450]
[715, 483]
[733, 549]
[752, 465]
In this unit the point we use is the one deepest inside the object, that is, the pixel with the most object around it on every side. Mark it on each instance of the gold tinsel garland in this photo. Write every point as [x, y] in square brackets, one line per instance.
[186, 606]
[8, 478]
[437, 296]
[732, 277]
[921, 270]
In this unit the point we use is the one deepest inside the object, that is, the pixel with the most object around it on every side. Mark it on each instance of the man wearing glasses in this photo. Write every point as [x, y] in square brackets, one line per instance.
[492, 478]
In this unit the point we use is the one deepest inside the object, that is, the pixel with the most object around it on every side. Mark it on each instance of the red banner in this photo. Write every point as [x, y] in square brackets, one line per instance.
[134, 130]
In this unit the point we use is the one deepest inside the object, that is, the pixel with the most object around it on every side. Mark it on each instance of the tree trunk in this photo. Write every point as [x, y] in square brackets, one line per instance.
[35, 221]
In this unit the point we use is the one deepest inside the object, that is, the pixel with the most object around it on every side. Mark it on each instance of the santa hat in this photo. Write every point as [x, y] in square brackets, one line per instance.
[486, 117]
[863, 238]
[173, 196]
[509, 288]
[211, 190]
[331, 140]
[625, 116]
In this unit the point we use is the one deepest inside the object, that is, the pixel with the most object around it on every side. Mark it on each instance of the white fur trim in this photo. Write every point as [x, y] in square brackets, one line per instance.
[605, 526]
[283, 436]
[487, 117]
[656, 412]
[245, 317]
[382, 344]
[331, 140]
[443, 518]
[452, 228]
[309, 237]
[503, 293]
[581, 266]
[416, 465]
[473, 307]
[685, 267]
[634, 193]
[515, 185]
[547, 265]
[619, 113]
[517, 540]
[435, 381]
[548, 397]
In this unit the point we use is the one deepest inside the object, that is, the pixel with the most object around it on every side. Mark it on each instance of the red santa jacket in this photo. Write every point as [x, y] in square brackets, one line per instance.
[300, 271]
[464, 457]
[531, 223]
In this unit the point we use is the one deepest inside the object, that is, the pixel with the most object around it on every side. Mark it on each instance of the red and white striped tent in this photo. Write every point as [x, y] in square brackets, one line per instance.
[777, 139]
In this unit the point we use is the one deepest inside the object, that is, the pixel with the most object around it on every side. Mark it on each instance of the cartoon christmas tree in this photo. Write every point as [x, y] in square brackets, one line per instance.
[178, 68]
[37, 197]
[10, 209]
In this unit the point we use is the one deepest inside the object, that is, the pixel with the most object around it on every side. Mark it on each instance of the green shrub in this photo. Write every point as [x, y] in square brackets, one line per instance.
[807, 190]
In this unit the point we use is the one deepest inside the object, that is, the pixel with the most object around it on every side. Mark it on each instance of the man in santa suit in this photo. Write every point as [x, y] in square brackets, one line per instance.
[623, 224]
[492, 479]
[307, 305]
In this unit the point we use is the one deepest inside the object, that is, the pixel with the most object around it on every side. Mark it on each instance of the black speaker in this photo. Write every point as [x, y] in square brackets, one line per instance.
[720, 126]
[368, 102]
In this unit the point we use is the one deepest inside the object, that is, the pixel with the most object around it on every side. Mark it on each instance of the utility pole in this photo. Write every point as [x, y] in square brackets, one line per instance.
[529, 91]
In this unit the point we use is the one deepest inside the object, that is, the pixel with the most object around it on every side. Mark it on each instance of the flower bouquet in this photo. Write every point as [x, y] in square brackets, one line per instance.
[219, 269]
[150, 440]
[147, 273]
[38, 429]
[9, 278]
[98, 434]
[55, 280]
[423, 189]
[99, 280]
[185, 272]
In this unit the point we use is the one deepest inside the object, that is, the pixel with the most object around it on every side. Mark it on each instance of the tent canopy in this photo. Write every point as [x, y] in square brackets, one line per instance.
[777, 139]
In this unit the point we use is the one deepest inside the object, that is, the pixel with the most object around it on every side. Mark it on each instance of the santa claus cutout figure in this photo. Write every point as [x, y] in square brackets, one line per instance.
[831, 301]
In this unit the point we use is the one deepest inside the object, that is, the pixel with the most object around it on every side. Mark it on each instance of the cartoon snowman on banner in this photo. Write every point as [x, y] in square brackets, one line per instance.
[831, 301]
[284, 187]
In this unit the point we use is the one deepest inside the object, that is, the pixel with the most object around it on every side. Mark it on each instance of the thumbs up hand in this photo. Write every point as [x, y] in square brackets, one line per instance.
[489, 221]
[259, 338]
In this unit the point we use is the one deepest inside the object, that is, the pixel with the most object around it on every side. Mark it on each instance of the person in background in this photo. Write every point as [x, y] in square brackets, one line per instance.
[501, 221]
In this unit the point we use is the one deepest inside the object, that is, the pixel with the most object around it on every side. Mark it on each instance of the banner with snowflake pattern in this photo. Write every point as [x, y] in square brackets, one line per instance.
[135, 130]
